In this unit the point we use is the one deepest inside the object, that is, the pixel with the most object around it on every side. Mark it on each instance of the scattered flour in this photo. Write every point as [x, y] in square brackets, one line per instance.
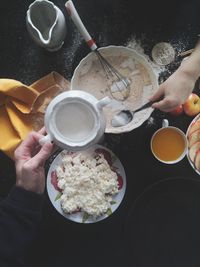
[163, 72]
[136, 45]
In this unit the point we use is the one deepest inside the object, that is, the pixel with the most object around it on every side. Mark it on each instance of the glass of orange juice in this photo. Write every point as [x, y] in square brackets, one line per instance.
[169, 144]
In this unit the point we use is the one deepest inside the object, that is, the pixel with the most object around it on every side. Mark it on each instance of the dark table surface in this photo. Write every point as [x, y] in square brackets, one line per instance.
[62, 242]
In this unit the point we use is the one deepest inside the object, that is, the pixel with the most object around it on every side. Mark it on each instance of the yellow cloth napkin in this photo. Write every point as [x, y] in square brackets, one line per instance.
[22, 107]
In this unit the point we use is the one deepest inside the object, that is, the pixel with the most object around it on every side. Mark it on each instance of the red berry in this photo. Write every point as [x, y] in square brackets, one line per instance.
[54, 181]
[120, 181]
[177, 111]
[106, 154]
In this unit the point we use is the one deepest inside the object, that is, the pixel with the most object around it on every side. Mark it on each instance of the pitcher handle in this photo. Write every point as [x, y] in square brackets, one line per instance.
[46, 139]
[103, 102]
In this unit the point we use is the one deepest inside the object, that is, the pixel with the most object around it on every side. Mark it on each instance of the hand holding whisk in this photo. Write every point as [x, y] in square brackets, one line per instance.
[119, 85]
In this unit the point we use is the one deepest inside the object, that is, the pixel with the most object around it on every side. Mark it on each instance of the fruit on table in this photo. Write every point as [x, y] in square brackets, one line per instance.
[177, 111]
[194, 126]
[193, 150]
[197, 160]
[192, 105]
[194, 143]
[194, 137]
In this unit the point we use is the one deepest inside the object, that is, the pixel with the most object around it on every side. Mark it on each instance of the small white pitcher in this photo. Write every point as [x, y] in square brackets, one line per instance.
[46, 24]
[74, 120]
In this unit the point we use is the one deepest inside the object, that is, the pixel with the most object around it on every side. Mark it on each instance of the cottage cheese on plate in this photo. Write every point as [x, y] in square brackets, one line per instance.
[87, 183]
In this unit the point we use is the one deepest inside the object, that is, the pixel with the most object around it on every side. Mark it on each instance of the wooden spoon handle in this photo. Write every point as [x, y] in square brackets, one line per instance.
[186, 53]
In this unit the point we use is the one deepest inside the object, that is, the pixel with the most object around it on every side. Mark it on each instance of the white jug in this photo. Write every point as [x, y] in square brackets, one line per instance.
[46, 24]
[74, 120]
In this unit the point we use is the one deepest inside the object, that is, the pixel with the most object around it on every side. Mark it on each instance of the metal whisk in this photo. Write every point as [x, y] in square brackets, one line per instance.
[118, 85]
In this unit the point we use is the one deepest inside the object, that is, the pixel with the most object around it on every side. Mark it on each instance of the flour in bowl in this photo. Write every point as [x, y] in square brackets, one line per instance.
[89, 76]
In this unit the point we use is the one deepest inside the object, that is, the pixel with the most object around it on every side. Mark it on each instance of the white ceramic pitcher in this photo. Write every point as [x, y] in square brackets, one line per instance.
[46, 24]
[74, 120]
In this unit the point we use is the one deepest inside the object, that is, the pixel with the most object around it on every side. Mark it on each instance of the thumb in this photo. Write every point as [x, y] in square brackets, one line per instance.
[44, 153]
[163, 105]
[159, 105]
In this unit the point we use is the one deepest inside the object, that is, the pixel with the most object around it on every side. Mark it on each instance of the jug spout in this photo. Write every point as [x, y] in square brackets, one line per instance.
[46, 24]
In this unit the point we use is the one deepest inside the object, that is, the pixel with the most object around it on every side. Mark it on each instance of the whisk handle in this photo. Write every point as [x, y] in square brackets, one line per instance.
[72, 12]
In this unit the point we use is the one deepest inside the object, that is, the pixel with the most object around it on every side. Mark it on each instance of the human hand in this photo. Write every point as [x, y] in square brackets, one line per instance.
[174, 91]
[30, 158]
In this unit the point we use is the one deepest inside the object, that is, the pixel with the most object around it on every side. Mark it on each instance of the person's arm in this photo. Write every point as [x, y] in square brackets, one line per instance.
[20, 212]
[176, 89]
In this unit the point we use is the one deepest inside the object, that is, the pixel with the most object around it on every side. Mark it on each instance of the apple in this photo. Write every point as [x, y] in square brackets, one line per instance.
[197, 160]
[193, 150]
[192, 105]
[194, 126]
[177, 111]
[193, 138]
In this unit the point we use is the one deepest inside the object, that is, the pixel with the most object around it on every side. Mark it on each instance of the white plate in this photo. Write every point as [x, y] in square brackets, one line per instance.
[78, 216]
[191, 163]
[90, 77]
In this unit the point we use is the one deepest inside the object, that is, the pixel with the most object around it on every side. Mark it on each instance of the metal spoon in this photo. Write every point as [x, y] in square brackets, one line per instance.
[126, 116]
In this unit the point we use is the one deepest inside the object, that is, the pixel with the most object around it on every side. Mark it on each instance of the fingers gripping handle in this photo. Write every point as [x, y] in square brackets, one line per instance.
[71, 10]
[104, 102]
[45, 139]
